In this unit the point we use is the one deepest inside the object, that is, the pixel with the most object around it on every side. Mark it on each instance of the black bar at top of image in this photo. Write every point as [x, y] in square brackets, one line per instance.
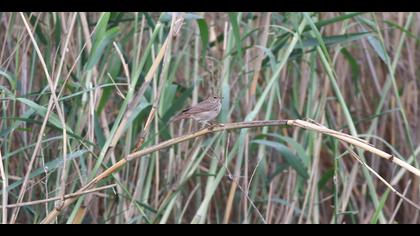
[207, 5]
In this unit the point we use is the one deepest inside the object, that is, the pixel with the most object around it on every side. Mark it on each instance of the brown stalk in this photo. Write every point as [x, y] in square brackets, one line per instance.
[144, 86]
[265, 22]
[231, 126]
[57, 198]
[5, 184]
[53, 103]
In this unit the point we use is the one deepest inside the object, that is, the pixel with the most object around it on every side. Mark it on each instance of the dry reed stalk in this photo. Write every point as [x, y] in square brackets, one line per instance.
[231, 126]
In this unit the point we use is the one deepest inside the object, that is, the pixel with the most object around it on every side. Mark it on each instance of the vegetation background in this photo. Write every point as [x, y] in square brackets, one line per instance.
[82, 84]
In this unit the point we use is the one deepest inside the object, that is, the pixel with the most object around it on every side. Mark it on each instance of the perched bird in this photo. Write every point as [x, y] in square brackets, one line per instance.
[202, 112]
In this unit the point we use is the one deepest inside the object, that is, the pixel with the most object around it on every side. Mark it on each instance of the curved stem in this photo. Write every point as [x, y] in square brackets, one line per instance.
[222, 127]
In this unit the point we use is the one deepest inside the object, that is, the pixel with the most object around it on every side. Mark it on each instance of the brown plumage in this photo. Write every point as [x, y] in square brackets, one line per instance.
[202, 112]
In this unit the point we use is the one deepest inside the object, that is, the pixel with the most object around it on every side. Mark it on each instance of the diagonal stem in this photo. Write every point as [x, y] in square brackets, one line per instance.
[231, 126]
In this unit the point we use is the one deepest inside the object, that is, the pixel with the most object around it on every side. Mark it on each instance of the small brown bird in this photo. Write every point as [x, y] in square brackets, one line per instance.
[202, 112]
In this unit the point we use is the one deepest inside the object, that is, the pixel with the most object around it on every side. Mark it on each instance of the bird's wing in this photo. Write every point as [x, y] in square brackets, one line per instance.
[189, 107]
[200, 107]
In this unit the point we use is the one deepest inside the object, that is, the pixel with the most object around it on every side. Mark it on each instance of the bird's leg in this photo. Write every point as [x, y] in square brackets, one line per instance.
[215, 124]
[218, 124]
[203, 124]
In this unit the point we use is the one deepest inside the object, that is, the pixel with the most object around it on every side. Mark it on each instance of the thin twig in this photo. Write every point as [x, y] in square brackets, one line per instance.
[120, 130]
[231, 126]
[64, 52]
[124, 63]
[166, 54]
[58, 197]
[5, 184]
[246, 194]
[353, 154]
[391, 220]
[53, 102]
[55, 212]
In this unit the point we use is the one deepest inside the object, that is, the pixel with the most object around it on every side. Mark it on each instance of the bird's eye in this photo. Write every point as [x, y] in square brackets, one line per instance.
[214, 97]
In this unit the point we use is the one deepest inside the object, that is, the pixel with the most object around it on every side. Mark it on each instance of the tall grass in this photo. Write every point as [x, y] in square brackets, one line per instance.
[80, 92]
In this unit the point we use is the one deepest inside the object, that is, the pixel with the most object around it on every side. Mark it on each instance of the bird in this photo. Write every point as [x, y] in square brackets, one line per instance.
[203, 112]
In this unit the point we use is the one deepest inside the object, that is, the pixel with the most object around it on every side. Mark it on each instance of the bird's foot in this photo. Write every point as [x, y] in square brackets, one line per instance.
[213, 124]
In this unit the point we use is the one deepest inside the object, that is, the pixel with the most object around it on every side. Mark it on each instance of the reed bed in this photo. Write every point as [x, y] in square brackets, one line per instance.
[319, 119]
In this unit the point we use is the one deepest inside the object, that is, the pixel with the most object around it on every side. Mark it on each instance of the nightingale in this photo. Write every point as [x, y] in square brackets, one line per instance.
[202, 112]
